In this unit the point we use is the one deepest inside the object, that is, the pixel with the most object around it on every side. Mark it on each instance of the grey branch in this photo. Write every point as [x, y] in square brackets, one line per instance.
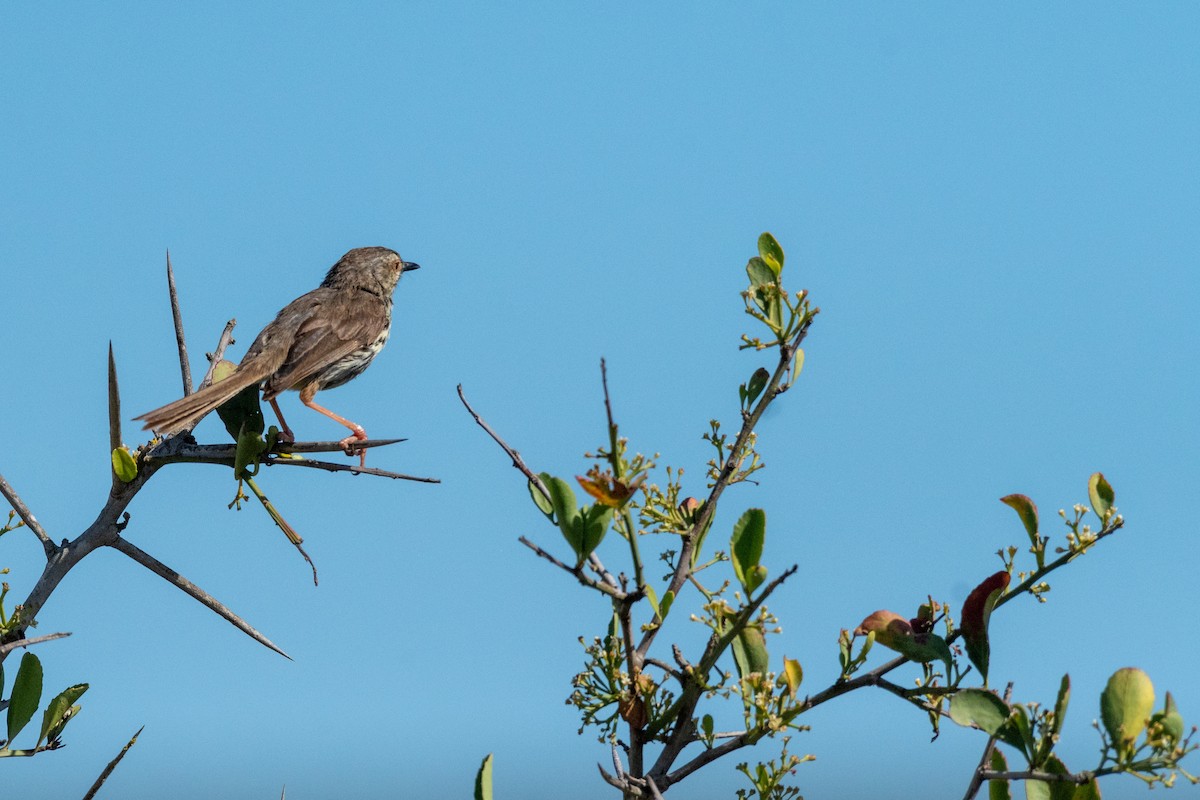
[18, 505]
[517, 461]
[184, 367]
[192, 590]
[112, 765]
[578, 572]
[9, 646]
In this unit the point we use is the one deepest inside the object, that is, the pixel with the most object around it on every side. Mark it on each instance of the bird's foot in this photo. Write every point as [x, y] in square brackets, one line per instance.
[350, 444]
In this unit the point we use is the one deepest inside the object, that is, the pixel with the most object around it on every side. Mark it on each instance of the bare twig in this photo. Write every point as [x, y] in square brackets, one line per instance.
[599, 586]
[91, 793]
[192, 590]
[8, 646]
[184, 367]
[517, 461]
[18, 505]
[217, 354]
[114, 402]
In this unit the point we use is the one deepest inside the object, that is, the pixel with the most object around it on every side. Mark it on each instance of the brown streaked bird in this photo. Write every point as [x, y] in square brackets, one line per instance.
[318, 341]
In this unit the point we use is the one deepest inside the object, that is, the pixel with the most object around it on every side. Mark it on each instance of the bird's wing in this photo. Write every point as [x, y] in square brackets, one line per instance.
[323, 338]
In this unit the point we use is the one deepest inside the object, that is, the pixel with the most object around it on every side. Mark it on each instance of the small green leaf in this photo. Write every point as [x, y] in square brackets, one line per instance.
[652, 598]
[750, 651]
[1023, 729]
[1171, 719]
[1102, 496]
[1060, 705]
[980, 708]
[26, 694]
[771, 252]
[999, 790]
[754, 387]
[759, 273]
[706, 725]
[1059, 790]
[1125, 706]
[664, 606]
[1088, 791]
[976, 611]
[594, 525]
[755, 577]
[56, 716]
[483, 779]
[562, 498]
[793, 675]
[124, 467]
[1026, 510]
[746, 545]
[540, 500]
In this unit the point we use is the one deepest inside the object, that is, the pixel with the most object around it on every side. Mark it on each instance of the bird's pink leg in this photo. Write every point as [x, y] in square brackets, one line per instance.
[286, 436]
[358, 434]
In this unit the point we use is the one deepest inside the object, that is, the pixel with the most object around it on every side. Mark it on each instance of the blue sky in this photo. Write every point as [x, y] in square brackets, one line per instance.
[994, 208]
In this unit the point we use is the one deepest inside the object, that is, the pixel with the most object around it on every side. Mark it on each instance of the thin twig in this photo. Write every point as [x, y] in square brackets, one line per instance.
[217, 354]
[599, 586]
[184, 367]
[192, 590]
[91, 793]
[18, 505]
[8, 646]
[114, 402]
[517, 461]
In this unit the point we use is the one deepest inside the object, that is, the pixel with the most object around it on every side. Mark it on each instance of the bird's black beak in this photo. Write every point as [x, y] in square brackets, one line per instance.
[409, 266]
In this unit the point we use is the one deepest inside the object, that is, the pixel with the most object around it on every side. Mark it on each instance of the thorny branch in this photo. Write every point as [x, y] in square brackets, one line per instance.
[112, 520]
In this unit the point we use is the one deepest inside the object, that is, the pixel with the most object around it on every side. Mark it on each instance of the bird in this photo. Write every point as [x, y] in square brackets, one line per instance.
[319, 341]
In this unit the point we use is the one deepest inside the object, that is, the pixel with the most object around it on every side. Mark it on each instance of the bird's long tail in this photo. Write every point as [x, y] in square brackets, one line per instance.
[187, 411]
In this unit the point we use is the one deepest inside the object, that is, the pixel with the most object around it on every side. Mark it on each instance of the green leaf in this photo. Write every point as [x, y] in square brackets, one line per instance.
[770, 252]
[1059, 790]
[1125, 706]
[1026, 510]
[706, 725]
[56, 717]
[759, 273]
[793, 675]
[746, 545]
[1060, 705]
[26, 694]
[1171, 719]
[539, 500]
[562, 498]
[652, 597]
[1037, 790]
[999, 790]
[483, 779]
[124, 467]
[976, 611]
[980, 708]
[750, 651]
[594, 521]
[664, 606]
[1102, 496]
[986, 711]
[1088, 791]
[1023, 731]
[754, 387]
[244, 409]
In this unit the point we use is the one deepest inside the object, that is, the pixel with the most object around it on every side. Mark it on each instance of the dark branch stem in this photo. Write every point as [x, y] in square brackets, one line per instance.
[18, 505]
[184, 367]
[191, 590]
